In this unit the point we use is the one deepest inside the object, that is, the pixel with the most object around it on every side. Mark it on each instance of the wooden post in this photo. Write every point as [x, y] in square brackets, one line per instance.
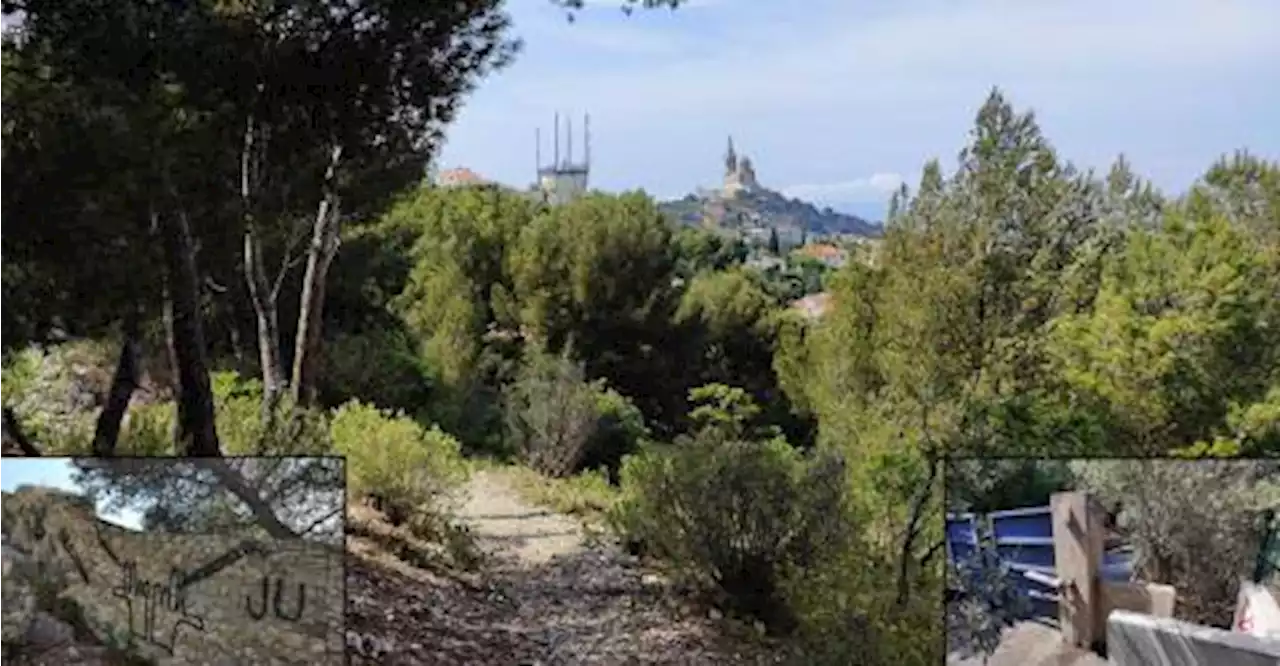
[1078, 536]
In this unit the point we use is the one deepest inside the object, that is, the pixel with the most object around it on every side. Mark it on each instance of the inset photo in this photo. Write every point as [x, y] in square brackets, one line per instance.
[174, 561]
[1112, 561]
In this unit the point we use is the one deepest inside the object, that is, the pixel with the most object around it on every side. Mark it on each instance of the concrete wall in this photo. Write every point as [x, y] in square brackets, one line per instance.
[182, 599]
[1146, 598]
[1134, 639]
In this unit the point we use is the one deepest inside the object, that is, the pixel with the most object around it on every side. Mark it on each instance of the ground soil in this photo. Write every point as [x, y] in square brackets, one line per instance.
[547, 595]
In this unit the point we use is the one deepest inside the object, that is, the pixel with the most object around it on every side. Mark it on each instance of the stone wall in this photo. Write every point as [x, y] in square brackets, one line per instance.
[182, 599]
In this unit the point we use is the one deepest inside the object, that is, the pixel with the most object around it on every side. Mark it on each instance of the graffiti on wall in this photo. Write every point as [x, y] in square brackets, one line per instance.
[184, 597]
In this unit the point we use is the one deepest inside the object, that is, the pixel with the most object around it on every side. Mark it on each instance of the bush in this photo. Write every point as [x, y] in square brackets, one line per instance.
[560, 423]
[402, 468]
[551, 413]
[620, 429]
[988, 601]
[54, 391]
[1193, 524]
[378, 367]
[21, 370]
[148, 428]
[737, 519]
[147, 431]
[848, 614]
[983, 485]
[238, 412]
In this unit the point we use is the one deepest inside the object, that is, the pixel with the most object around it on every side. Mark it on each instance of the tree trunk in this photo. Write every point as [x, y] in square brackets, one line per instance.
[123, 383]
[324, 245]
[195, 431]
[263, 295]
[267, 314]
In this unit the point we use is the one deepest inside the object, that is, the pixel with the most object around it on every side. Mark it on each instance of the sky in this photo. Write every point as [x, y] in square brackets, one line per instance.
[842, 100]
[56, 473]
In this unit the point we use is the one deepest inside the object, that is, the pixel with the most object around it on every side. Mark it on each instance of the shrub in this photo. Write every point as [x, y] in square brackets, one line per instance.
[737, 519]
[848, 614]
[238, 412]
[148, 428]
[54, 391]
[394, 462]
[620, 429]
[560, 423]
[379, 367]
[1193, 524]
[21, 370]
[147, 431]
[988, 601]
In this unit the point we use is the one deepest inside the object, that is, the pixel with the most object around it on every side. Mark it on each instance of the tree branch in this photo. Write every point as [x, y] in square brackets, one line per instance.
[913, 532]
[320, 521]
[234, 482]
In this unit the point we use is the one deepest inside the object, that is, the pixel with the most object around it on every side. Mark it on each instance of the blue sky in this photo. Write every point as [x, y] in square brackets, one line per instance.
[54, 473]
[840, 100]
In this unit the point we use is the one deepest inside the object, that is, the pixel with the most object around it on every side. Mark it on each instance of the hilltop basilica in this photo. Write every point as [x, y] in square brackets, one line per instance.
[739, 175]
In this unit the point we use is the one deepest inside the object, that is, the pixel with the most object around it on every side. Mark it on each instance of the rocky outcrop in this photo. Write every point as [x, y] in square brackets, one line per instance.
[171, 599]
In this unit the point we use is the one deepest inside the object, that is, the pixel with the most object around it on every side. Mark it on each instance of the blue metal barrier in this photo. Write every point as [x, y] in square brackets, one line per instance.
[1023, 540]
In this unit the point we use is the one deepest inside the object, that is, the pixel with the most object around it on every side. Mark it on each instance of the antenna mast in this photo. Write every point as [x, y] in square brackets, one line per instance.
[586, 138]
[556, 155]
[568, 130]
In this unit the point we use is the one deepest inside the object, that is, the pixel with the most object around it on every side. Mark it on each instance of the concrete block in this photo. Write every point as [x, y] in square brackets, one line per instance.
[1147, 598]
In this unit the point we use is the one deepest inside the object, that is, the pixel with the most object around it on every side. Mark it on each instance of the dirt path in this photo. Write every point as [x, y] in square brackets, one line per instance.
[510, 528]
[586, 603]
[545, 596]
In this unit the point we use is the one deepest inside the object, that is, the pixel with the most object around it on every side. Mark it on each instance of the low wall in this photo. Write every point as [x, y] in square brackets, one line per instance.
[1146, 598]
[185, 599]
[1135, 639]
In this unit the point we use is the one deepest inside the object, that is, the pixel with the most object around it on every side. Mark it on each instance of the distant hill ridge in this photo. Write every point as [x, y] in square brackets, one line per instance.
[768, 208]
[742, 203]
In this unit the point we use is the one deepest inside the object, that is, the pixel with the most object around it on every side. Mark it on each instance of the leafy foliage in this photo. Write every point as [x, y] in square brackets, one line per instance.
[986, 602]
[737, 518]
[1193, 525]
[404, 469]
[560, 423]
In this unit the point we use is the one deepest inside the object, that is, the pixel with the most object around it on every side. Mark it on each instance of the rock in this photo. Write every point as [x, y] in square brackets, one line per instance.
[19, 599]
[46, 631]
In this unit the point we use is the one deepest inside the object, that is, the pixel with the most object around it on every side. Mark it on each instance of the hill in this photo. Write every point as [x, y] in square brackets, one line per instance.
[743, 204]
[762, 207]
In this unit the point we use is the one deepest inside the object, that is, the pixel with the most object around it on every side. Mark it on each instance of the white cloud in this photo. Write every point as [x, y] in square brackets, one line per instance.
[876, 187]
